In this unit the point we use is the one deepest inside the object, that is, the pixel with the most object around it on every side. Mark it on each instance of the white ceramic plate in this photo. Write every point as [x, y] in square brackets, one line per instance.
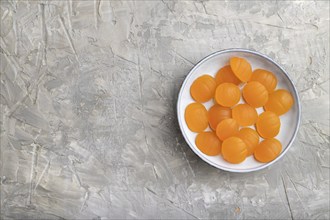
[210, 65]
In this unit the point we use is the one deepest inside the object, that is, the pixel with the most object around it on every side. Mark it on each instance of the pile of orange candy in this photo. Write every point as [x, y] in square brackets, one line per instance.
[232, 125]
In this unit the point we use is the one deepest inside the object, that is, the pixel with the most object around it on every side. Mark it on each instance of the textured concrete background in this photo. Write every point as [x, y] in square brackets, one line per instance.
[88, 94]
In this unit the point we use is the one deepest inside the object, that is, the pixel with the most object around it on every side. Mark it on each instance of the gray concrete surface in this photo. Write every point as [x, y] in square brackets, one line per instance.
[89, 128]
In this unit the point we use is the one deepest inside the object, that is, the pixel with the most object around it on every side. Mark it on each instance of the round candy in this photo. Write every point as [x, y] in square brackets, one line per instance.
[208, 143]
[279, 102]
[250, 138]
[241, 68]
[268, 124]
[234, 150]
[227, 128]
[203, 88]
[226, 75]
[266, 78]
[267, 150]
[218, 113]
[227, 94]
[196, 117]
[245, 115]
[255, 94]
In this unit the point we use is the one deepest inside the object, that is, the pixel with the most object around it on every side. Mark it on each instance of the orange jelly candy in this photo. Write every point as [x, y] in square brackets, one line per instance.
[218, 113]
[227, 94]
[226, 75]
[227, 128]
[266, 78]
[279, 102]
[245, 115]
[196, 117]
[203, 88]
[241, 68]
[268, 124]
[255, 94]
[250, 138]
[234, 150]
[267, 150]
[208, 143]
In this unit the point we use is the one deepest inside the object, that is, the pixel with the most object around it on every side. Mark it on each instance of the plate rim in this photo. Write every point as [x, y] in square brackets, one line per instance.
[254, 53]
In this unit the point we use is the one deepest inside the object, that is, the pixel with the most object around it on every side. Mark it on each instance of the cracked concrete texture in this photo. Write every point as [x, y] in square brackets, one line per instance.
[88, 95]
